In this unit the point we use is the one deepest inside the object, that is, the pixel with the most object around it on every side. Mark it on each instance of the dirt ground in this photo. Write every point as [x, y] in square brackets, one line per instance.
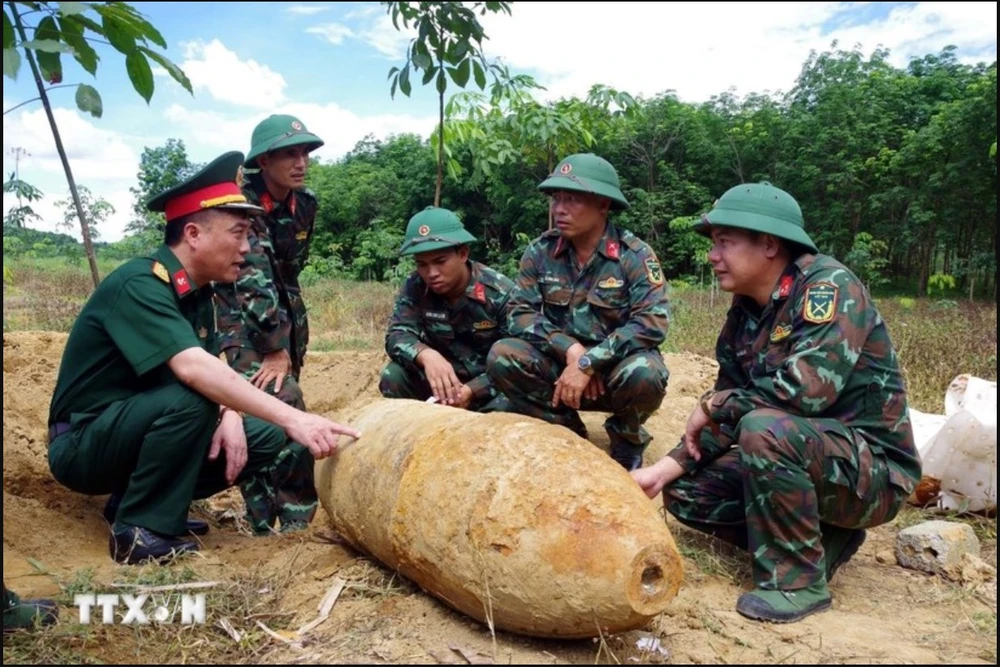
[881, 612]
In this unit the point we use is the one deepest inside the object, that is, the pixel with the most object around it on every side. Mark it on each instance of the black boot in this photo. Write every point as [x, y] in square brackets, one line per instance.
[194, 526]
[628, 456]
[133, 545]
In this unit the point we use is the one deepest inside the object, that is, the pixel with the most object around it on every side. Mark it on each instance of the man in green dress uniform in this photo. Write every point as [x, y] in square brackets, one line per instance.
[144, 409]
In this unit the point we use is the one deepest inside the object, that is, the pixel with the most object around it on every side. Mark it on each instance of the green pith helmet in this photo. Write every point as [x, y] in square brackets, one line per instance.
[278, 131]
[759, 207]
[586, 172]
[434, 229]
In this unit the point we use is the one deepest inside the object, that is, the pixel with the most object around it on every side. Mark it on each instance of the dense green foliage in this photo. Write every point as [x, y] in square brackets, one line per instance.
[893, 169]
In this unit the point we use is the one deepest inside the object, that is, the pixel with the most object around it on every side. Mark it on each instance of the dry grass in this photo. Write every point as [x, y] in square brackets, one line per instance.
[936, 339]
[241, 602]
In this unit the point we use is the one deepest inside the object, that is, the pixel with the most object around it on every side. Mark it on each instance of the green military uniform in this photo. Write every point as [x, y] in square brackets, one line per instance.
[263, 312]
[462, 333]
[120, 422]
[615, 306]
[814, 442]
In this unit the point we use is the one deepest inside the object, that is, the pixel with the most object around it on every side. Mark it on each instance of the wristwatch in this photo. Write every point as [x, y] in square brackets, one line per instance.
[586, 365]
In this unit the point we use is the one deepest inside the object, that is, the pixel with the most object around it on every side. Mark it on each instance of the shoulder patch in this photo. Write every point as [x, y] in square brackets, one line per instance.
[653, 271]
[614, 250]
[479, 293]
[160, 272]
[820, 303]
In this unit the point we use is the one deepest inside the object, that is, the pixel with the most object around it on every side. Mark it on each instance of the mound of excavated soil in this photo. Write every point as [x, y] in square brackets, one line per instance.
[881, 613]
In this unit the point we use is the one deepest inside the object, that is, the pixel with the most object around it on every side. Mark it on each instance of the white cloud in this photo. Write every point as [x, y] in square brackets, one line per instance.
[216, 69]
[331, 32]
[701, 49]
[384, 37]
[208, 133]
[102, 160]
[307, 10]
[366, 11]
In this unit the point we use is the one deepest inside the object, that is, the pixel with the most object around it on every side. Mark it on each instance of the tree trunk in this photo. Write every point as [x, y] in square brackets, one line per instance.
[84, 228]
[440, 169]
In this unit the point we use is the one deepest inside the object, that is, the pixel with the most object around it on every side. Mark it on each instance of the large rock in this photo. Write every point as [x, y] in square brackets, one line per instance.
[514, 522]
[936, 547]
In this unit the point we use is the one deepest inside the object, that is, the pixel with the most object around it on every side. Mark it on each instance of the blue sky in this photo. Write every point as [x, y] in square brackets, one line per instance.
[327, 63]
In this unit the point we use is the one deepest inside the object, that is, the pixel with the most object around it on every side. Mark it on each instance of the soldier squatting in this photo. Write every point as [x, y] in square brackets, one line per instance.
[803, 443]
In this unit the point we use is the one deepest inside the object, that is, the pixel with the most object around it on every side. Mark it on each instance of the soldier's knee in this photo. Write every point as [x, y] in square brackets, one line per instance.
[391, 380]
[502, 358]
[759, 432]
[644, 384]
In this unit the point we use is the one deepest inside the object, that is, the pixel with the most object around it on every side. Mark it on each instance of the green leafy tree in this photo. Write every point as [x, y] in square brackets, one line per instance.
[449, 40]
[868, 260]
[21, 214]
[71, 28]
[160, 169]
[95, 210]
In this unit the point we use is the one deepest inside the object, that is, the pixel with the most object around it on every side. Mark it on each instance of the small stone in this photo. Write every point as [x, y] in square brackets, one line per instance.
[886, 557]
[936, 547]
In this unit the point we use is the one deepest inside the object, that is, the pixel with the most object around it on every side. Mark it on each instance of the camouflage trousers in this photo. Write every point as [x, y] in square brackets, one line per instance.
[285, 491]
[409, 381]
[784, 489]
[635, 388]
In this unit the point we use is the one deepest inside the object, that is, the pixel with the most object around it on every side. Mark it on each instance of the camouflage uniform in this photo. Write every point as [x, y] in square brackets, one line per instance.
[462, 334]
[263, 312]
[812, 440]
[820, 418]
[616, 306]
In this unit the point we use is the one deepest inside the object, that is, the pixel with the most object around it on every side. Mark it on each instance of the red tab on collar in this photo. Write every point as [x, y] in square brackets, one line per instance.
[266, 202]
[181, 282]
[479, 293]
[786, 287]
[613, 249]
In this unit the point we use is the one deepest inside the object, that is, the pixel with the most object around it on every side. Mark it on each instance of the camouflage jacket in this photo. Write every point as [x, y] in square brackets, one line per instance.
[615, 306]
[263, 309]
[819, 349]
[463, 333]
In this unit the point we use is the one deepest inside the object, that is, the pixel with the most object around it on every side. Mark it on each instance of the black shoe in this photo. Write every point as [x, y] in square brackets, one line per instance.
[194, 526]
[134, 545]
[629, 458]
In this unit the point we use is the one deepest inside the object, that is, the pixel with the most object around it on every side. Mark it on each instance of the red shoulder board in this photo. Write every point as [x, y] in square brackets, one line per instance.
[181, 282]
[786, 287]
[479, 293]
[613, 252]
